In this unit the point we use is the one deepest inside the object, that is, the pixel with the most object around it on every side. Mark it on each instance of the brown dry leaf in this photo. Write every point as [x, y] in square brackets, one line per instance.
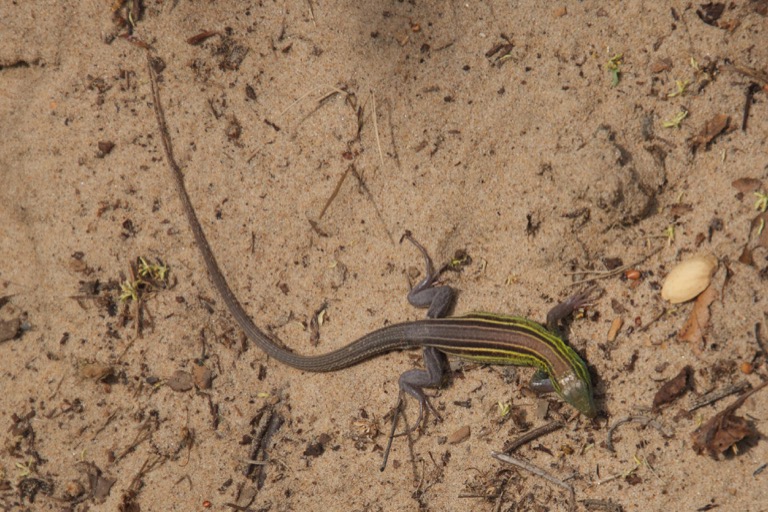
[746, 257]
[710, 12]
[9, 329]
[203, 376]
[95, 371]
[711, 129]
[724, 429]
[459, 435]
[673, 388]
[100, 485]
[730, 24]
[660, 65]
[747, 185]
[698, 321]
[201, 37]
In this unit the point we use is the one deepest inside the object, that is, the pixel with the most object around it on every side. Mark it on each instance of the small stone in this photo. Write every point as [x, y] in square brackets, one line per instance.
[181, 381]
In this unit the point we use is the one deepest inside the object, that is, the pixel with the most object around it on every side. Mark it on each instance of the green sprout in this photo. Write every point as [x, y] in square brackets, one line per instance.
[150, 277]
[682, 86]
[156, 272]
[504, 408]
[669, 234]
[25, 469]
[762, 201]
[614, 67]
[129, 290]
[676, 120]
[460, 260]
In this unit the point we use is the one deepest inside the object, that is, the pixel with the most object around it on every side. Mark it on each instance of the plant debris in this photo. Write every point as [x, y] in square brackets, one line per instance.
[710, 12]
[201, 37]
[747, 185]
[10, 328]
[725, 429]
[698, 321]
[709, 131]
[99, 485]
[673, 388]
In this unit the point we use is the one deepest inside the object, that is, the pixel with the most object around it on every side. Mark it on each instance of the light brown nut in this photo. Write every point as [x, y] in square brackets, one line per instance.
[689, 278]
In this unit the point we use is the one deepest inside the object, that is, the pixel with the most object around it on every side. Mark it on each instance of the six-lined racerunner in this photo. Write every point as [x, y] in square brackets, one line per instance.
[482, 337]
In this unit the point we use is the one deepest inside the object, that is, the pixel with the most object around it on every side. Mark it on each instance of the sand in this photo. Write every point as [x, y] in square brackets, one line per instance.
[540, 139]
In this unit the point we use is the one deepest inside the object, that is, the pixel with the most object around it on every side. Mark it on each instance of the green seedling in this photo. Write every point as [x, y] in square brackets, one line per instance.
[681, 87]
[761, 204]
[676, 120]
[614, 67]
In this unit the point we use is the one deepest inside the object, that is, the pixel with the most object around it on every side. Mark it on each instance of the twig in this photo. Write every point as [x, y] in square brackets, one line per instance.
[605, 274]
[333, 90]
[395, 153]
[334, 193]
[714, 396]
[367, 191]
[759, 340]
[376, 128]
[603, 505]
[643, 420]
[297, 100]
[509, 459]
[533, 434]
[395, 417]
[312, 12]
[653, 321]
[106, 423]
[750, 92]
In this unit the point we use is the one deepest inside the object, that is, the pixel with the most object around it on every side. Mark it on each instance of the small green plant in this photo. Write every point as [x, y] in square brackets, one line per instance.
[676, 120]
[669, 234]
[145, 277]
[761, 204]
[614, 68]
[681, 87]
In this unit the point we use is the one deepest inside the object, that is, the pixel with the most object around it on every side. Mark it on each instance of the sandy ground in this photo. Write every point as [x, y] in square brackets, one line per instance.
[494, 128]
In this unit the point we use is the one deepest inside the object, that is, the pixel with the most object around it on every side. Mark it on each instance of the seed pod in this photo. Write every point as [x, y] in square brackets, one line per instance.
[689, 278]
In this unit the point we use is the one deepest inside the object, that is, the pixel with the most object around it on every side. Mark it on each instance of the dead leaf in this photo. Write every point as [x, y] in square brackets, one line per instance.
[9, 329]
[747, 185]
[660, 65]
[710, 12]
[201, 37]
[746, 256]
[724, 430]
[673, 388]
[698, 321]
[730, 24]
[203, 376]
[100, 485]
[459, 435]
[711, 129]
[95, 371]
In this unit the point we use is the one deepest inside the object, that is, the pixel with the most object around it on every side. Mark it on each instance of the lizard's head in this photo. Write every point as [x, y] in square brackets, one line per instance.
[578, 392]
